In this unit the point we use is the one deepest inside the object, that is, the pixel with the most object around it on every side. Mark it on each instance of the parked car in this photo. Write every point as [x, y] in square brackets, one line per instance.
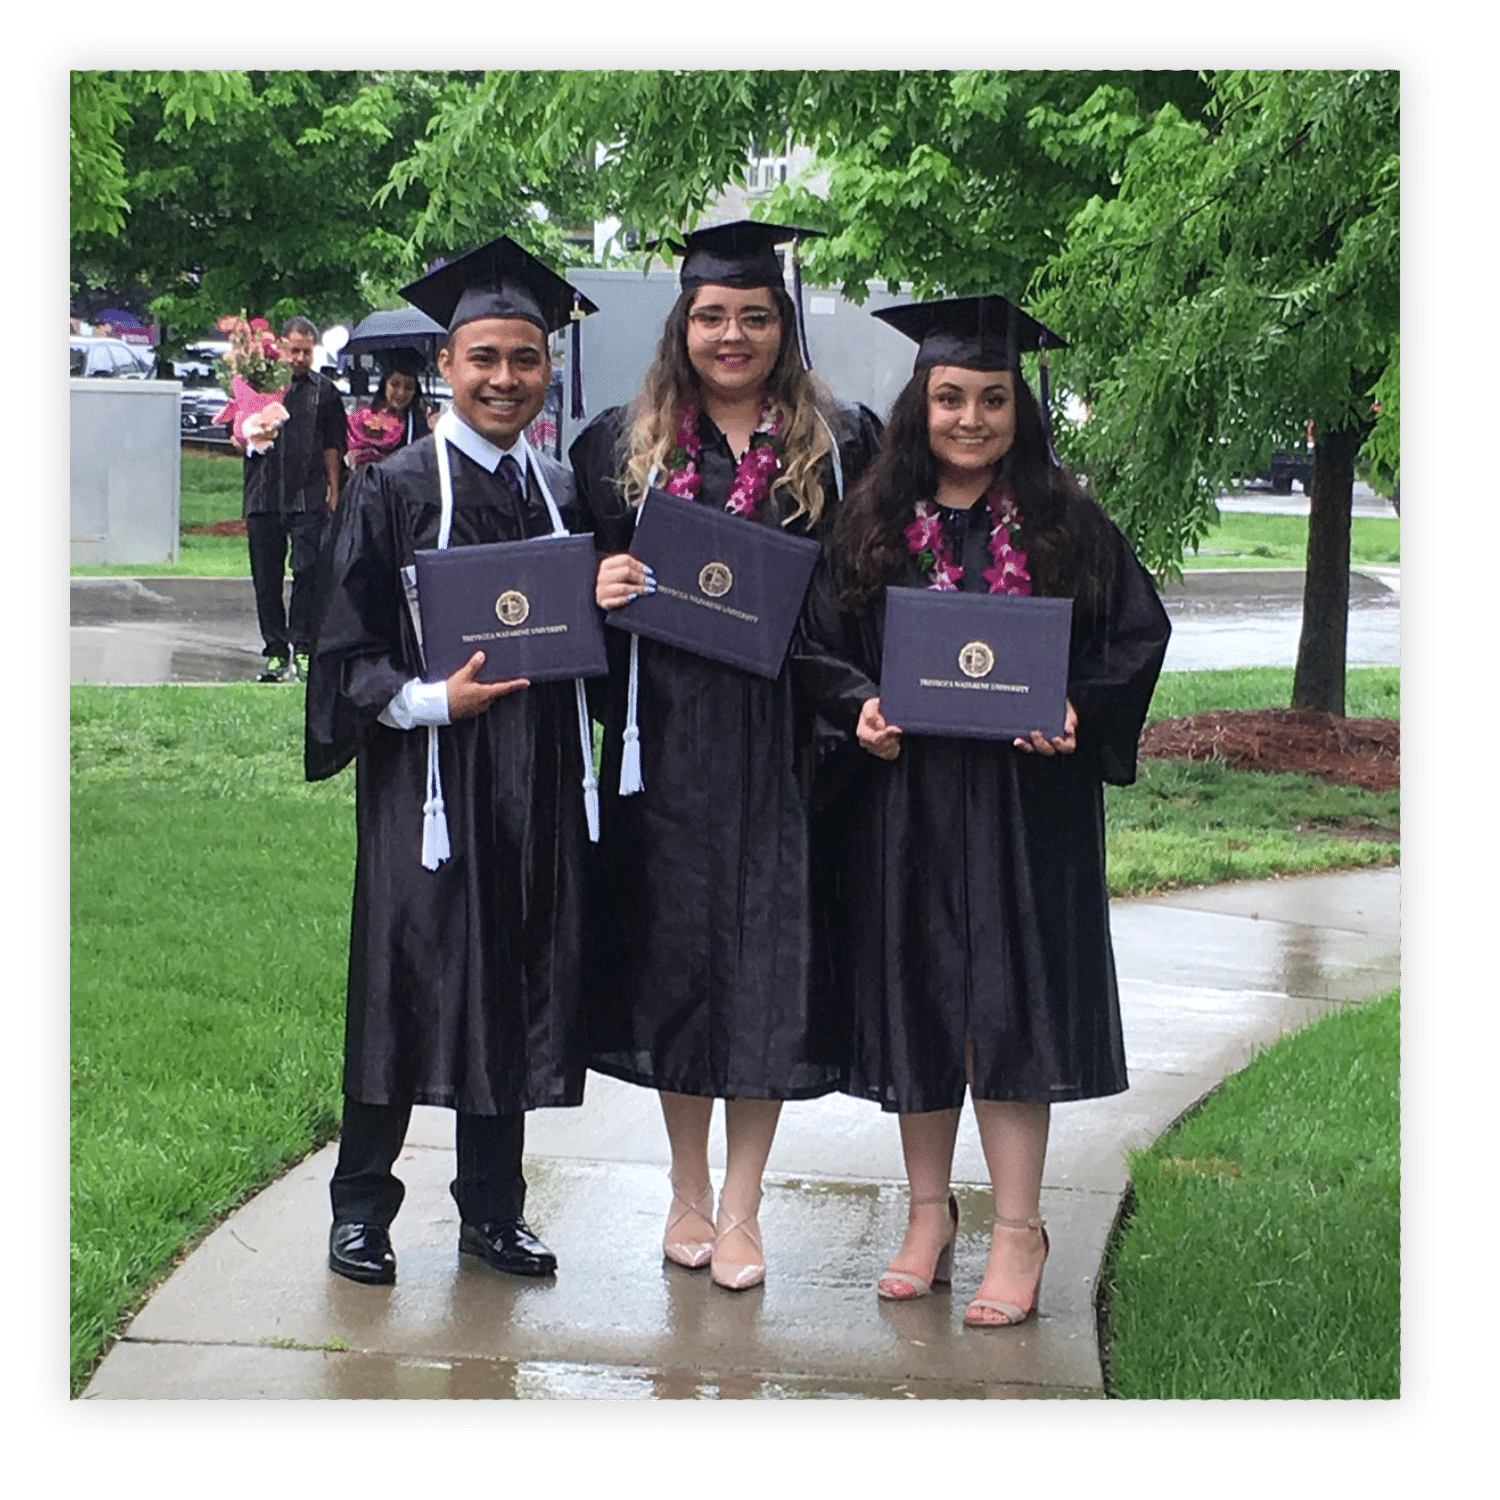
[203, 397]
[199, 408]
[89, 358]
[1287, 466]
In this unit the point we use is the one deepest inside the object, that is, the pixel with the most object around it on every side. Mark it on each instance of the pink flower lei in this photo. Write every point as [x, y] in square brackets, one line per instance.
[752, 478]
[929, 546]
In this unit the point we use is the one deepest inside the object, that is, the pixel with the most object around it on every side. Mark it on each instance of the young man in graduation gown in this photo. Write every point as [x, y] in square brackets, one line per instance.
[289, 491]
[467, 929]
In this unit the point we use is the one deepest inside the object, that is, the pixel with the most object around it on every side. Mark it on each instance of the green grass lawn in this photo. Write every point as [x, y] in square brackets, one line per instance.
[1261, 1259]
[1245, 539]
[210, 908]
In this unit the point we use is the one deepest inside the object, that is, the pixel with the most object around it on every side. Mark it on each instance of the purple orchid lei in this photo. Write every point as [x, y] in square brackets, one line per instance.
[752, 478]
[929, 546]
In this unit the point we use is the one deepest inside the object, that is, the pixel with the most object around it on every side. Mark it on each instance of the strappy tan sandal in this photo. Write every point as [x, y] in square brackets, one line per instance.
[1011, 1314]
[907, 1286]
[694, 1254]
[739, 1276]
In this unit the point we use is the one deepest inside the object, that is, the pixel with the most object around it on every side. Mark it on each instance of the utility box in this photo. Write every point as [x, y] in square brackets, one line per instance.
[857, 357]
[125, 470]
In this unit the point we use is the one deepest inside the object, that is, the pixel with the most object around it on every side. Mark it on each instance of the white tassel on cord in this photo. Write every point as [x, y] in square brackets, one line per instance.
[630, 755]
[590, 781]
[435, 847]
[630, 750]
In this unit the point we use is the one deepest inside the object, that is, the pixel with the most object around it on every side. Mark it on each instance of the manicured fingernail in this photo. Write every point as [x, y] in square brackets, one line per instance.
[651, 586]
[650, 573]
[633, 594]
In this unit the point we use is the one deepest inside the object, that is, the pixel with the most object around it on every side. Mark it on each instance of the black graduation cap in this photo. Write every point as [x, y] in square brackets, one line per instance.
[988, 332]
[498, 280]
[976, 333]
[743, 254]
[501, 280]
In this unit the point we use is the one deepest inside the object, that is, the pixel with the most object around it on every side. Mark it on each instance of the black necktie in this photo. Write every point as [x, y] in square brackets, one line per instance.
[510, 475]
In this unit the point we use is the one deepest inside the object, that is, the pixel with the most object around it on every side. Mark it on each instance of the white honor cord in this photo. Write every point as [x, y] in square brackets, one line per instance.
[833, 453]
[435, 845]
[630, 751]
[585, 733]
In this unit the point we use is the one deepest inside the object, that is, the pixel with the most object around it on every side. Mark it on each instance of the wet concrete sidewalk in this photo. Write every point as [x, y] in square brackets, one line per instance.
[1207, 977]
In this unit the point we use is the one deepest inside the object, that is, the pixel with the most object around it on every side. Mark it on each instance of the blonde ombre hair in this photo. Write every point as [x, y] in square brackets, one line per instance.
[670, 383]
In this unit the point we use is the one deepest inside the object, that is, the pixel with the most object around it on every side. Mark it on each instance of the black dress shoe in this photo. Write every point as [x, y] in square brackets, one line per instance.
[509, 1246]
[362, 1252]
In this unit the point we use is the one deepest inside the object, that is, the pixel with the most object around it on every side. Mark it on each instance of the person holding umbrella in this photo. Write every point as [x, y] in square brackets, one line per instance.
[398, 415]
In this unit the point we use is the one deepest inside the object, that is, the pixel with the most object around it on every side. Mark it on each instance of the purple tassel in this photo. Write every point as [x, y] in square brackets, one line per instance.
[576, 360]
[797, 302]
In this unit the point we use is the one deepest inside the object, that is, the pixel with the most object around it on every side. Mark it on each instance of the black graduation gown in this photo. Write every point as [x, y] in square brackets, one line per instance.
[464, 981]
[702, 978]
[969, 896]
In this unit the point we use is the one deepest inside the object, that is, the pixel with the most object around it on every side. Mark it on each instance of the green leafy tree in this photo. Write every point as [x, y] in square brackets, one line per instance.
[1243, 281]
[212, 192]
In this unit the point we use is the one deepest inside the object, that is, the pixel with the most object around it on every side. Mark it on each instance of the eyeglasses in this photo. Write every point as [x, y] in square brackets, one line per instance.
[754, 324]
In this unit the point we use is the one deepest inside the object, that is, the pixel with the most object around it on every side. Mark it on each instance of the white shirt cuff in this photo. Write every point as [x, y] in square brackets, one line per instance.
[416, 705]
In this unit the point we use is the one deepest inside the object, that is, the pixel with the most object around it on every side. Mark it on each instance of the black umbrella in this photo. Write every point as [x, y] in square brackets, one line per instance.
[400, 328]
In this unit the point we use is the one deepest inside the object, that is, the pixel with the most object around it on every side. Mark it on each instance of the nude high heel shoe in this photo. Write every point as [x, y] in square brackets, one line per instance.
[905, 1286]
[738, 1276]
[694, 1254]
[1011, 1314]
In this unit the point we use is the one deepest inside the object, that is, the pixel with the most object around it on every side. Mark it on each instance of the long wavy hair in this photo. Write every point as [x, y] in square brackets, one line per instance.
[653, 416]
[1064, 533]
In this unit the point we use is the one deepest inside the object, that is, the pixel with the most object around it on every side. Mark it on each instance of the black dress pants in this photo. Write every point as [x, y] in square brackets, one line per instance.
[270, 537]
[489, 1185]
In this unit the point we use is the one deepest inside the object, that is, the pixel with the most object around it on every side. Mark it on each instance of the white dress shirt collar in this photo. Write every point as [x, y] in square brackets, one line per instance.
[474, 445]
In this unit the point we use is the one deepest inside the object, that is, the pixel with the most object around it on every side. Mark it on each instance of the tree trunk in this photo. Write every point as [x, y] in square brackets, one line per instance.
[1319, 680]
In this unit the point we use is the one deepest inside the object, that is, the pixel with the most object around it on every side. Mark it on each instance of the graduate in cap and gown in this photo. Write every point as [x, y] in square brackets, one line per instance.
[473, 799]
[971, 910]
[708, 983]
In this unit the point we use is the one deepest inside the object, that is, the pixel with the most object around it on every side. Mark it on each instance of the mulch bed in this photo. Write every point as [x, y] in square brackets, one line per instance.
[1358, 752]
[217, 528]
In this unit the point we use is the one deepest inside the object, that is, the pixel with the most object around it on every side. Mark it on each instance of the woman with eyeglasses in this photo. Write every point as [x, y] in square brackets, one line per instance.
[708, 982]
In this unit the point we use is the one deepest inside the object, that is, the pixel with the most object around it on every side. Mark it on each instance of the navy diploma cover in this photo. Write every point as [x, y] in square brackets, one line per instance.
[529, 606]
[975, 666]
[727, 587]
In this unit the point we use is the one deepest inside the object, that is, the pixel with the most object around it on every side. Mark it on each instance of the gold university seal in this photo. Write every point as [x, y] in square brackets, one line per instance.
[976, 659]
[512, 607]
[716, 579]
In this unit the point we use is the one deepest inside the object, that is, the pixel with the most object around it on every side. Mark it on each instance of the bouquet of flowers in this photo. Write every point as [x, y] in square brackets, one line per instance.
[256, 378]
[373, 435]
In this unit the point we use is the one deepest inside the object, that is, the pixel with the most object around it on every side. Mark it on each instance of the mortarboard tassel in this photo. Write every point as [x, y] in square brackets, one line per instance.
[807, 363]
[576, 359]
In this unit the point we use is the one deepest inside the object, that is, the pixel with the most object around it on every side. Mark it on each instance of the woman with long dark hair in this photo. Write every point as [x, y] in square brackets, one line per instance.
[707, 984]
[397, 416]
[971, 915]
